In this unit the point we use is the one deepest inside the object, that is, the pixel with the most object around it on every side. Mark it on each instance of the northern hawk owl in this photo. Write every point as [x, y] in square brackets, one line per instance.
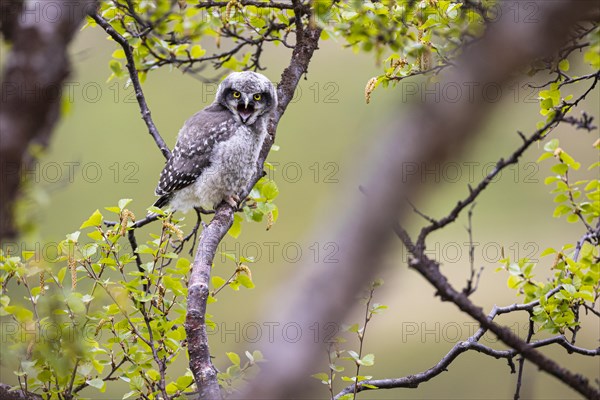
[217, 149]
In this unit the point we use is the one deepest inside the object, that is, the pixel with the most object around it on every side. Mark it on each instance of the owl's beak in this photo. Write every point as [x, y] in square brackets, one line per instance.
[245, 110]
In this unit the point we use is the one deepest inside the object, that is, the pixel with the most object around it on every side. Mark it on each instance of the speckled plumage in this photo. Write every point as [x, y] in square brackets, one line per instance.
[217, 149]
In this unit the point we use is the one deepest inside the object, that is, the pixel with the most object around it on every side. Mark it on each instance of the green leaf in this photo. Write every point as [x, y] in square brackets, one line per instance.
[592, 185]
[563, 65]
[367, 360]
[258, 356]
[234, 358]
[514, 281]
[97, 383]
[336, 368]
[323, 377]
[514, 269]
[270, 190]
[124, 202]
[73, 237]
[572, 218]
[567, 159]
[197, 51]
[546, 104]
[592, 57]
[94, 220]
[217, 281]
[116, 67]
[561, 198]
[353, 355]
[229, 256]
[21, 314]
[245, 281]
[171, 388]
[561, 210]
[156, 210]
[548, 251]
[184, 381]
[236, 227]
[551, 145]
[119, 53]
[560, 169]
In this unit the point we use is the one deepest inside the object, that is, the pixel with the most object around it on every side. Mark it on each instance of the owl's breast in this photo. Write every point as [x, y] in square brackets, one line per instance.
[232, 165]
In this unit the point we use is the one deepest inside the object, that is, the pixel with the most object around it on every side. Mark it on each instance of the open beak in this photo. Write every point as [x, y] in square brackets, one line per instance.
[245, 110]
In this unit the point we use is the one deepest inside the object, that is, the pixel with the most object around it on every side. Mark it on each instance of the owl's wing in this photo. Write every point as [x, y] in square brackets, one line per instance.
[193, 150]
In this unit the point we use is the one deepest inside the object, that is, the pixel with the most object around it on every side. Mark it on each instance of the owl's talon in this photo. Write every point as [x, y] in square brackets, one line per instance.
[231, 200]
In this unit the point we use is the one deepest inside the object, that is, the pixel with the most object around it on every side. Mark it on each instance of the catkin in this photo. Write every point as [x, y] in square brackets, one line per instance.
[73, 269]
[369, 89]
[42, 281]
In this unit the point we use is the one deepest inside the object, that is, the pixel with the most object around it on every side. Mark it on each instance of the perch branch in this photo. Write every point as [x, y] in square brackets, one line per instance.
[213, 233]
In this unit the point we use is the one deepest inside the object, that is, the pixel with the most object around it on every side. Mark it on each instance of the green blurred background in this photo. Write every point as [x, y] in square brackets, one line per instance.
[325, 134]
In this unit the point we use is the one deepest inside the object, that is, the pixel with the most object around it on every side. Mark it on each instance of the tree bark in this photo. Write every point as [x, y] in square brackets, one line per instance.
[7, 394]
[195, 325]
[35, 71]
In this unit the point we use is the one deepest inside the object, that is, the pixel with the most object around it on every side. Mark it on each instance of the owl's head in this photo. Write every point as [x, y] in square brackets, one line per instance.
[248, 95]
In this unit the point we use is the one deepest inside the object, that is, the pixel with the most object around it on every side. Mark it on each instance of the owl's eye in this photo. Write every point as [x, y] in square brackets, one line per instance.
[236, 94]
[257, 97]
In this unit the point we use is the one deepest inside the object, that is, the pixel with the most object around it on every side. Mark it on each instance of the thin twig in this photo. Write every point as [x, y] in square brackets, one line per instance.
[133, 75]
[522, 359]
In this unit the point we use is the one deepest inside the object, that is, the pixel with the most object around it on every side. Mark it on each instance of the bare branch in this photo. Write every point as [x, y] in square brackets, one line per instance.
[430, 271]
[473, 280]
[475, 192]
[522, 359]
[472, 343]
[258, 4]
[135, 81]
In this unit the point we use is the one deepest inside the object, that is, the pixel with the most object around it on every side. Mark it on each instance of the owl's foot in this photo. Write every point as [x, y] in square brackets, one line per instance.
[233, 200]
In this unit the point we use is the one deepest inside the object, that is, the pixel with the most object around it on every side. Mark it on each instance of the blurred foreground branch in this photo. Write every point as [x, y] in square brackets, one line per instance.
[434, 133]
[36, 68]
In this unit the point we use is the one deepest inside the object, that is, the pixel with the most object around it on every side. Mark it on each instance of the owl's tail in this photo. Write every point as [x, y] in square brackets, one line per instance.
[162, 200]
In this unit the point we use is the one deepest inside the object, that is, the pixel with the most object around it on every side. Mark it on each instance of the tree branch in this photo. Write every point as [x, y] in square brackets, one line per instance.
[9, 13]
[472, 343]
[433, 133]
[258, 4]
[135, 81]
[429, 269]
[36, 68]
[7, 394]
[475, 192]
[213, 233]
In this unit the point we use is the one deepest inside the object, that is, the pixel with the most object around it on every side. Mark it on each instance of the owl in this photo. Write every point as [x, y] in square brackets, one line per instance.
[217, 149]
